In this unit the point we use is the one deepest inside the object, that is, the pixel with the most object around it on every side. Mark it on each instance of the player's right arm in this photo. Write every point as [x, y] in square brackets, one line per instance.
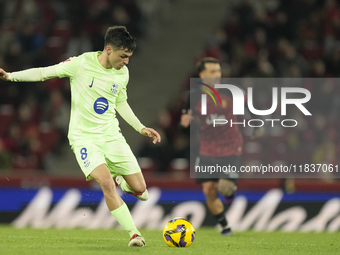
[67, 68]
[186, 119]
[30, 75]
[187, 115]
[3, 75]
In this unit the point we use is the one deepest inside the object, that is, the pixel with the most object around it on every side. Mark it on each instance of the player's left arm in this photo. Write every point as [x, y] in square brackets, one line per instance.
[150, 132]
[124, 110]
[257, 131]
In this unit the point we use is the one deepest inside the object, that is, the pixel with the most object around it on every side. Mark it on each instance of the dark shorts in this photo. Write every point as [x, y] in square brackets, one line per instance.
[229, 160]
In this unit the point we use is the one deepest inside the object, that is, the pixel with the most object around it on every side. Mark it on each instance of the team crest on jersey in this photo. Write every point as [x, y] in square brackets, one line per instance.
[114, 88]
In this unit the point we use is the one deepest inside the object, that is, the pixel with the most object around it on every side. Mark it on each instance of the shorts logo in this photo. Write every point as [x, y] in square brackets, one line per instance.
[101, 105]
[86, 163]
[114, 88]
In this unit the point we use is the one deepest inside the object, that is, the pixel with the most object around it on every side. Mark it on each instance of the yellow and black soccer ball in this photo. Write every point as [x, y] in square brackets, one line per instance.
[179, 232]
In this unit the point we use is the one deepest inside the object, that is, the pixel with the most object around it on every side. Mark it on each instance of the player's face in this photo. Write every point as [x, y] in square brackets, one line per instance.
[212, 73]
[212, 70]
[118, 58]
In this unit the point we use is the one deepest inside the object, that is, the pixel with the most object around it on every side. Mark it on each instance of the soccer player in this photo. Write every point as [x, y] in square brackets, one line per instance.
[222, 145]
[98, 89]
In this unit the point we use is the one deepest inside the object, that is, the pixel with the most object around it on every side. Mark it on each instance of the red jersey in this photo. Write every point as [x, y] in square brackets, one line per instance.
[221, 140]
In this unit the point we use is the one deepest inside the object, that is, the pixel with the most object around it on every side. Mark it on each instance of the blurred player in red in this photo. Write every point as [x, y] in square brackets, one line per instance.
[222, 144]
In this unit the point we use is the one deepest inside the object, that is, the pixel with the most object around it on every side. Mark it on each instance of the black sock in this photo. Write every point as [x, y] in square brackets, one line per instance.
[220, 218]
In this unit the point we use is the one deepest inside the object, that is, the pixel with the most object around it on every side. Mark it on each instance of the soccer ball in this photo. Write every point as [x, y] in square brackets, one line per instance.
[179, 232]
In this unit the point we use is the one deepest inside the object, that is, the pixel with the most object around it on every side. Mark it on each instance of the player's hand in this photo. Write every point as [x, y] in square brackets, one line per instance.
[150, 132]
[3, 75]
[185, 119]
[258, 132]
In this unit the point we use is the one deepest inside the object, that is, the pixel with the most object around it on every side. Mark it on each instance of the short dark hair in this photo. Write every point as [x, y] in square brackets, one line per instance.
[201, 64]
[120, 38]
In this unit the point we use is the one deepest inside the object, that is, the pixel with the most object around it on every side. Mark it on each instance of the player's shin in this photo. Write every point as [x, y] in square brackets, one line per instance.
[228, 201]
[123, 216]
[221, 219]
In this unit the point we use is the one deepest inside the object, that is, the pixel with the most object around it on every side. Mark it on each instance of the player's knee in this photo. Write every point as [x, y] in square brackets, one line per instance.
[227, 189]
[140, 188]
[106, 184]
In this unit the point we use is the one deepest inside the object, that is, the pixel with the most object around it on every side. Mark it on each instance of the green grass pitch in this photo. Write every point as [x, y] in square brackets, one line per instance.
[208, 241]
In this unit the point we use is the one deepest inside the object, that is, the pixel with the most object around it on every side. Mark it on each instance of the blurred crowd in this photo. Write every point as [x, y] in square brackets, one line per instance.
[34, 116]
[273, 38]
[262, 38]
